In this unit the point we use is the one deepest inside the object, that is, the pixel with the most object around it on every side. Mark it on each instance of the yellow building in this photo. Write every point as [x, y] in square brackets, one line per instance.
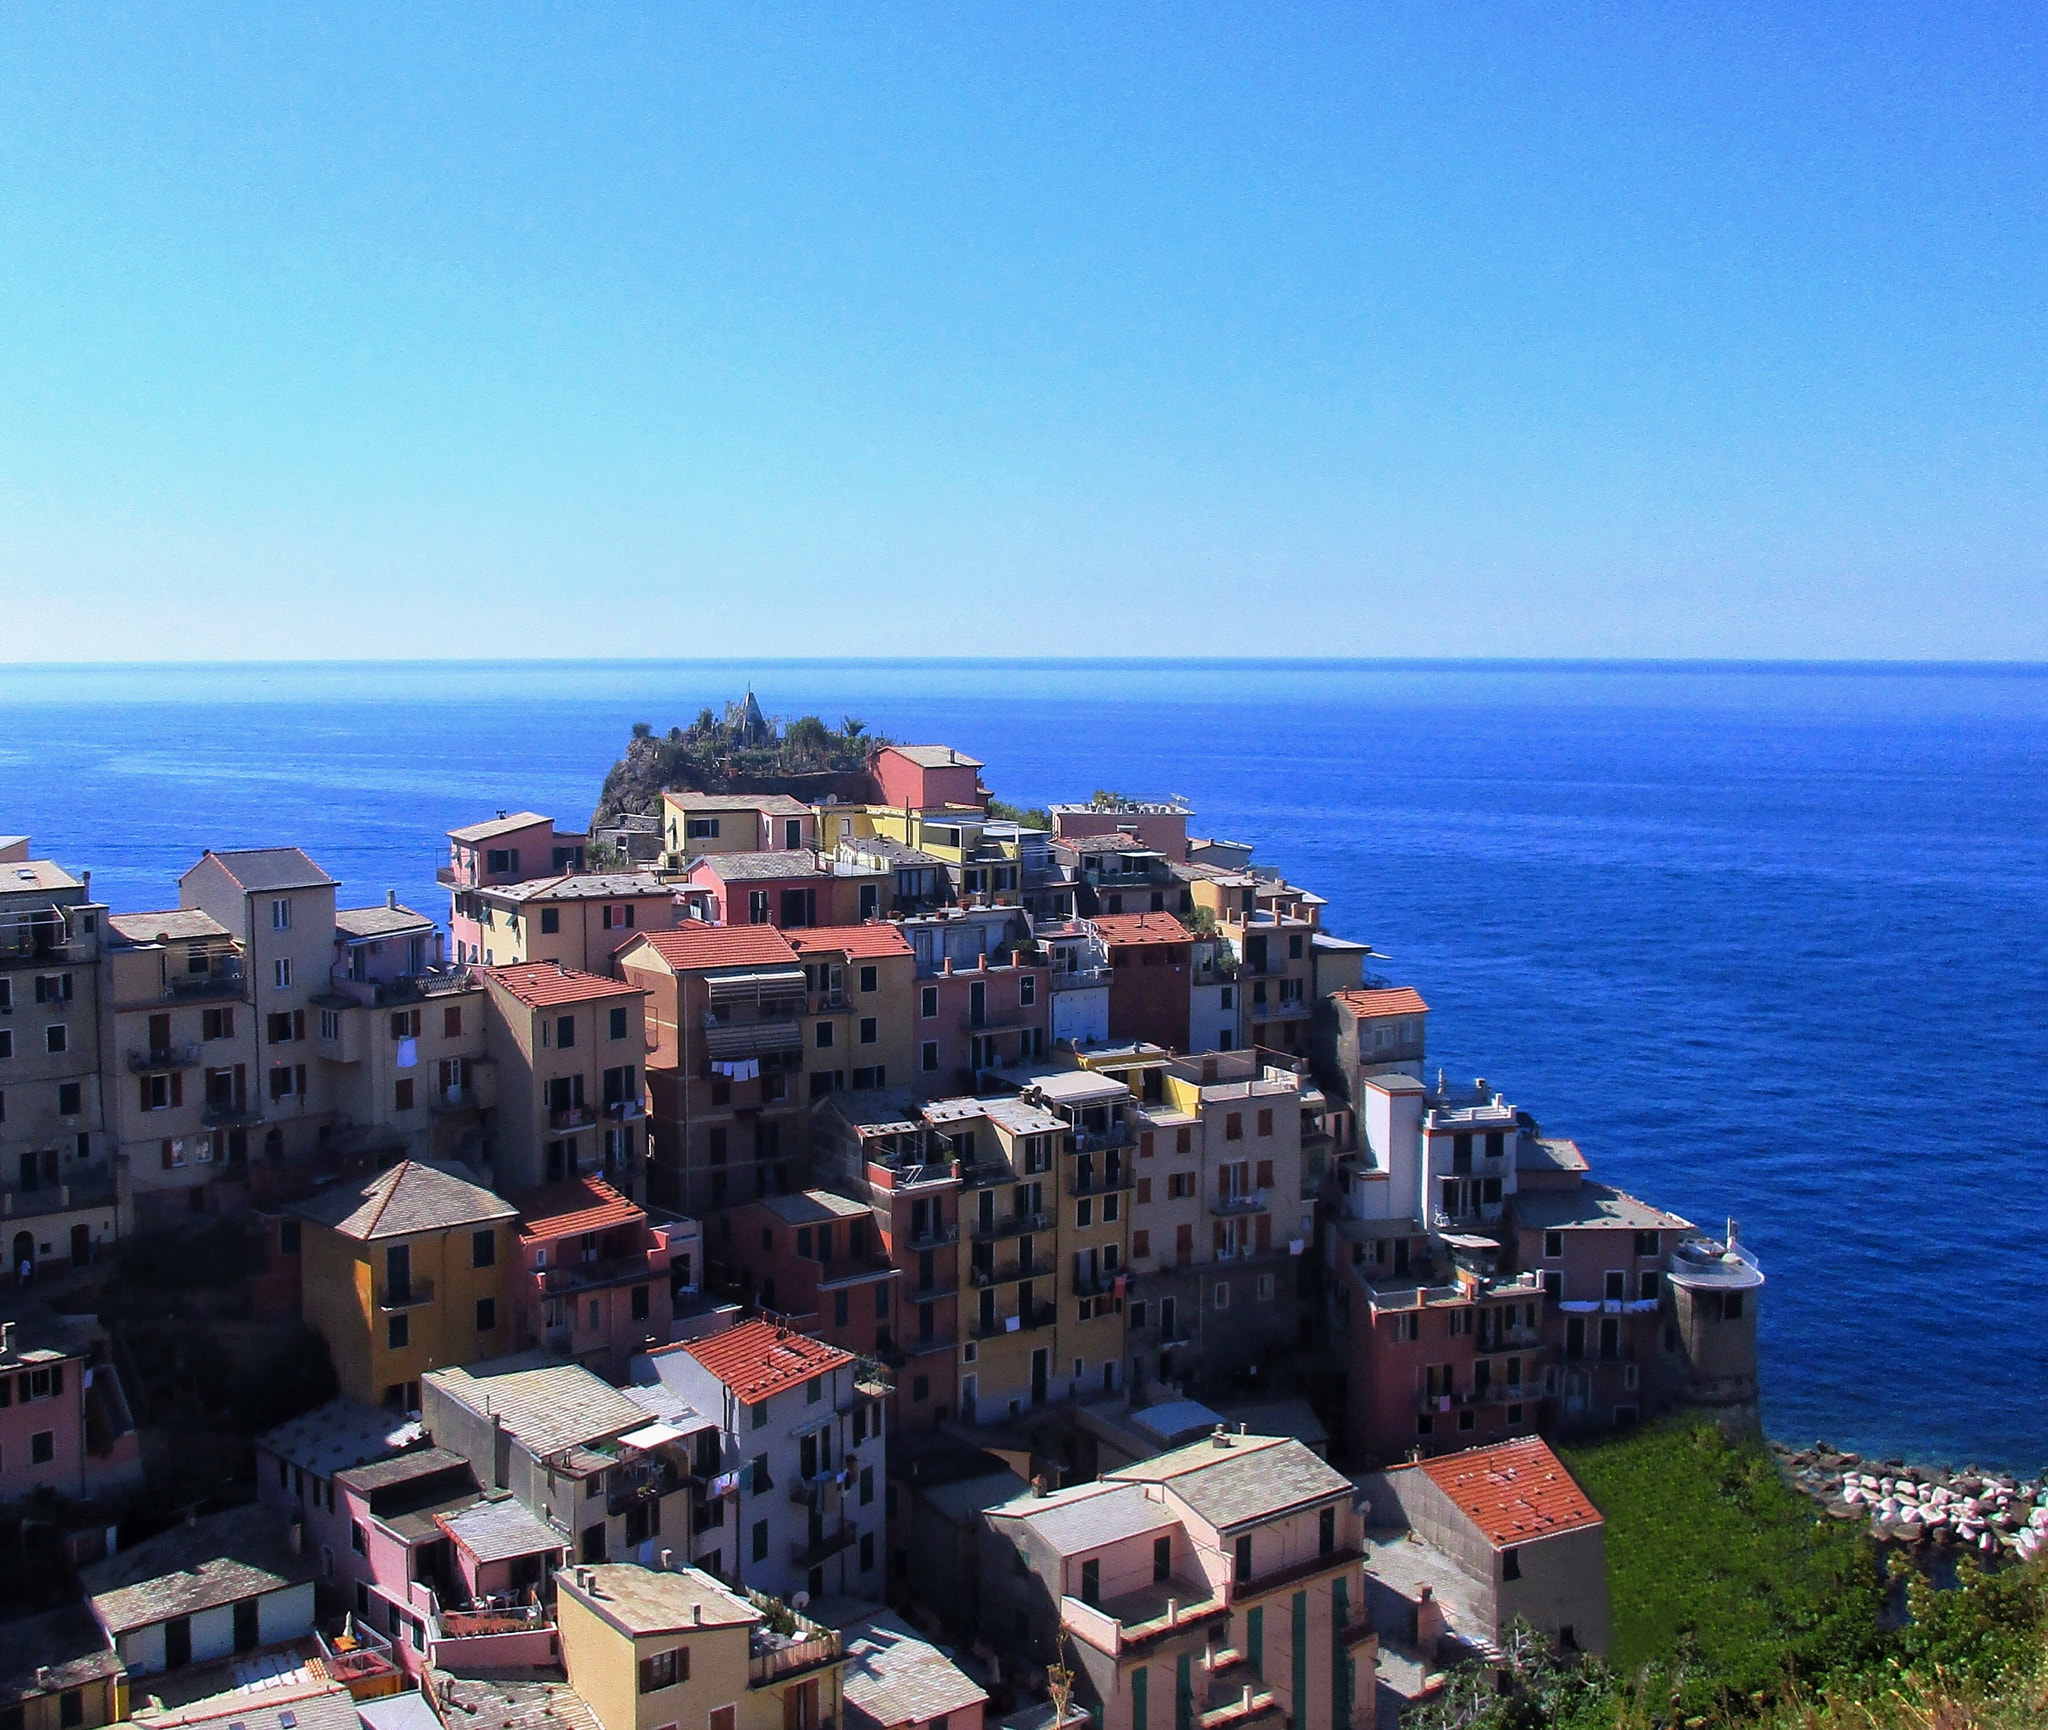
[405, 1273]
[694, 824]
[861, 986]
[59, 1671]
[648, 1649]
[1045, 1181]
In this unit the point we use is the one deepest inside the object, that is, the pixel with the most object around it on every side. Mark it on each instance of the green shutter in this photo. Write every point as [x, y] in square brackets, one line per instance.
[1184, 1694]
[1255, 1637]
[1301, 1657]
[1141, 1688]
[1340, 1663]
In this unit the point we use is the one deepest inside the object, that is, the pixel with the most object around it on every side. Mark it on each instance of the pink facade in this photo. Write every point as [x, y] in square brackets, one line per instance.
[787, 891]
[978, 1018]
[504, 849]
[928, 777]
[1161, 827]
[593, 1276]
[64, 1422]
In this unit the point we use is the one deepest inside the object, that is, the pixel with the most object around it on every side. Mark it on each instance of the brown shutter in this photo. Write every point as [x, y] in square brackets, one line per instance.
[177, 1087]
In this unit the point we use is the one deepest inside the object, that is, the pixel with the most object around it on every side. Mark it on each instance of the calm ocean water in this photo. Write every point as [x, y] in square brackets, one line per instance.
[1768, 942]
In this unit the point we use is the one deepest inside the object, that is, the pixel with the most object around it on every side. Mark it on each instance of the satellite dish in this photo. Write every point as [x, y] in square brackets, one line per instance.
[802, 1601]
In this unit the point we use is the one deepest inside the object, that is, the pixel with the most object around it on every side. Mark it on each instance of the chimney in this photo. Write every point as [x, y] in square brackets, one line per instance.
[85, 880]
[296, 1536]
[668, 1561]
[697, 1615]
[946, 966]
[1209, 1070]
[1220, 1438]
[6, 1336]
[391, 899]
[501, 816]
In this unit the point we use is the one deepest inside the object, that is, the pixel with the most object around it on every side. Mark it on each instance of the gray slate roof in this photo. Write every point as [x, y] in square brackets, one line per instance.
[378, 921]
[1255, 1478]
[178, 924]
[482, 1703]
[584, 886]
[407, 1711]
[258, 869]
[495, 826]
[411, 1197]
[893, 1677]
[330, 1709]
[341, 1434]
[403, 1469]
[69, 1642]
[762, 867]
[937, 756]
[216, 1560]
[1090, 1515]
[813, 1206]
[498, 1529]
[1591, 1204]
[546, 1405]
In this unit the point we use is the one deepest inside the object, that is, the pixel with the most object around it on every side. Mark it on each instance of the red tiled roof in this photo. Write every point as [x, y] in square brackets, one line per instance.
[542, 984]
[569, 1209]
[757, 1359]
[1514, 1492]
[694, 944]
[1399, 1000]
[867, 941]
[1141, 928]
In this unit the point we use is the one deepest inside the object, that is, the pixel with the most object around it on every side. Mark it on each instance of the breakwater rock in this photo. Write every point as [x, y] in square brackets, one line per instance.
[1996, 1514]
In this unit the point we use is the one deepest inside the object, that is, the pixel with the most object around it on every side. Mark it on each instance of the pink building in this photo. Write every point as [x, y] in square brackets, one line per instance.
[928, 777]
[781, 888]
[509, 848]
[987, 1016]
[296, 1465]
[64, 1422]
[1161, 827]
[593, 1276]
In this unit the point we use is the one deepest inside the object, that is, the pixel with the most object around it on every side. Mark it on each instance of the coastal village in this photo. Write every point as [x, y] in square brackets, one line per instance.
[817, 1250]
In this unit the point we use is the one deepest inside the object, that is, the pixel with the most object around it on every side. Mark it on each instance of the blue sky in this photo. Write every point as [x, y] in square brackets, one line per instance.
[1033, 330]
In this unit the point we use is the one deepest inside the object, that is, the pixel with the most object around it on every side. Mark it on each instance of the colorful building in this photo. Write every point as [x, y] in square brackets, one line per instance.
[593, 1276]
[860, 983]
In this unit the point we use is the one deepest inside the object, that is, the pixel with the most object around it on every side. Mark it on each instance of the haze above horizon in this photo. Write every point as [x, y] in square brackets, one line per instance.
[1572, 336]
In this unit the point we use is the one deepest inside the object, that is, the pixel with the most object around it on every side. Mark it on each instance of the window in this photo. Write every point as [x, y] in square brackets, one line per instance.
[565, 1032]
[824, 1036]
[870, 1030]
[1408, 1329]
[814, 1390]
[1084, 1214]
[550, 921]
[1646, 1243]
[69, 1099]
[330, 1024]
[71, 1709]
[6, 1042]
[1646, 1287]
[1027, 990]
[401, 1095]
[661, 1670]
[483, 1249]
[281, 973]
[839, 1309]
[398, 1333]
[280, 915]
[928, 1056]
[54, 1036]
[1265, 1123]
[760, 1540]
[486, 1315]
[1222, 1299]
[617, 1023]
[356, 1539]
[1265, 1288]
[1241, 1562]
[42, 1447]
[1141, 1242]
[1233, 1126]
[1511, 1563]
[1553, 1245]
[1731, 1306]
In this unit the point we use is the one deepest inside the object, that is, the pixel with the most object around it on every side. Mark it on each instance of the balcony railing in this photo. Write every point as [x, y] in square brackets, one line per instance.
[1010, 1224]
[1103, 1182]
[572, 1116]
[1252, 1201]
[806, 1552]
[648, 1481]
[937, 1237]
[224, 980]
[228, 1113]
[1009, 1272]
[166, 1057]
[612, 1270]
[1081, 978]
[1099, 1141]
[411, 1295]
[785, 1642]
[1039, 1316]
[454, 1099]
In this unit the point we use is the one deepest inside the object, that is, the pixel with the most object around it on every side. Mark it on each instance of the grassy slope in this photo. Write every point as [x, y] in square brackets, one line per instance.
[1718, 1569]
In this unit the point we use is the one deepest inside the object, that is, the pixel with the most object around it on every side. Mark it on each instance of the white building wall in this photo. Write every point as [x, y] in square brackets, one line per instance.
[1081, 1017]
[1212, 1018]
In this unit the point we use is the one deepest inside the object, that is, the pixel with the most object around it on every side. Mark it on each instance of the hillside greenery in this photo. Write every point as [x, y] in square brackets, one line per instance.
[1733, 1601]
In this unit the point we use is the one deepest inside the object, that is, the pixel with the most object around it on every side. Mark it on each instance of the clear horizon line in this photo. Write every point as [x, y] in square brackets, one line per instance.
[1369, 663]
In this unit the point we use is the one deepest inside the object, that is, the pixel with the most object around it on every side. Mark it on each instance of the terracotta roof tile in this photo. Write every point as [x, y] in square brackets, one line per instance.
[1141, 928]
[1399, 1000]
[569, 1209]
[867, 941]
[694, 944]
[1513, 1493]
[757, 1359]
[542, 984]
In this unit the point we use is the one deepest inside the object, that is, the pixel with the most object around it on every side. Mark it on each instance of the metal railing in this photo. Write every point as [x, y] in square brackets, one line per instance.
[165, 1057]
[225, 1113]
[1010, 1272]
[1009, 1225]
[404, 1297]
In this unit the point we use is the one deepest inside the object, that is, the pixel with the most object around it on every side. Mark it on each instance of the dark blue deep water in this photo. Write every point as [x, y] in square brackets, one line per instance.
[1770, 942]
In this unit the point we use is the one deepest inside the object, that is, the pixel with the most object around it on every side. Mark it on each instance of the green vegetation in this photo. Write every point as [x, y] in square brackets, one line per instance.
[716, 748]
[1734, 1602]
[1030, 816]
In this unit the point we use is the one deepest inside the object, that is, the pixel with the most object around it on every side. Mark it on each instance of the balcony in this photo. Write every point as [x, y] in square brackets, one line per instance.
[572, 1116]
[1009, 1272]
[169, 1057]
[1011, 1224]
[646, 1481]
[612, 1270]
[455, 1099]
[1010, 1023]
[410, 1295]
[1099, 1141]
[229, 1113]
[731, 1040]
[1230, 1206]
[785, 1643]
[937, 1237]
[830, 1002]
[445, 876]
[1102, 1183]
[1039, 1316]
[222, 980]
[1081, 978]
[805, 1492]
[809, 1552]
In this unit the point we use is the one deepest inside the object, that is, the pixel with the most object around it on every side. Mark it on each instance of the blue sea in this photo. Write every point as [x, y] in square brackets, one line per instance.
[1769, 941]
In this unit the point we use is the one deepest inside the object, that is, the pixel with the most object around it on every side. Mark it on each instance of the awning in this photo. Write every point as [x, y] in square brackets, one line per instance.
[652, 1436]
[749, 981]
